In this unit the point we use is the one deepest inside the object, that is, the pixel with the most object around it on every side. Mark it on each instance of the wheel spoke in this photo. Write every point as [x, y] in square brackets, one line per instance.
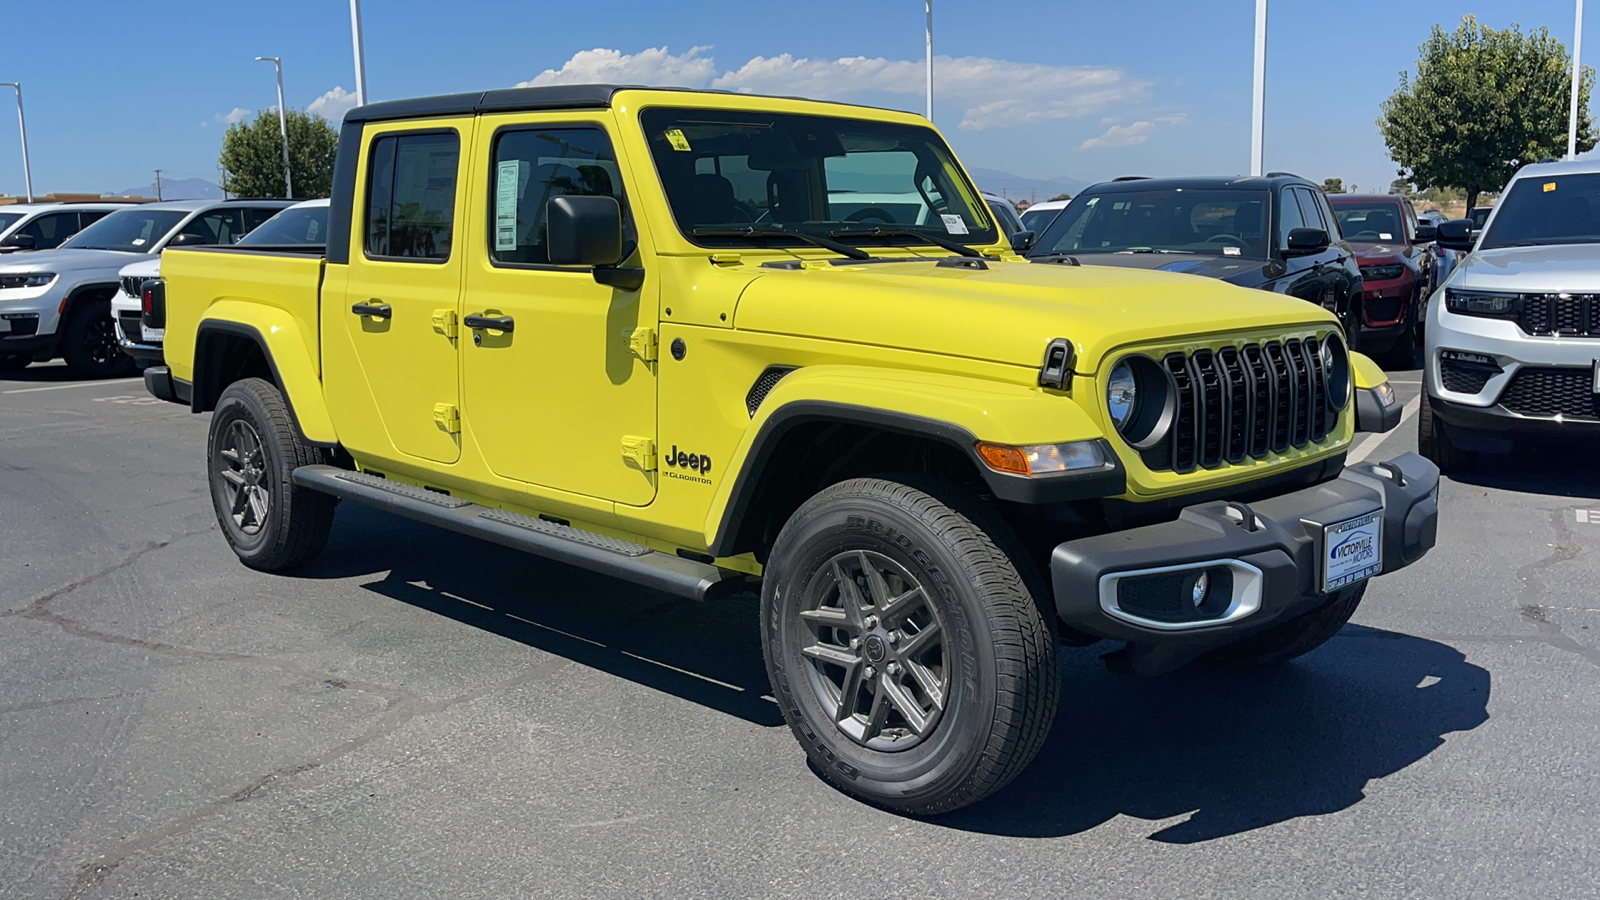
[231, 455]
[241, 499]
[897, 606]
[876, 584]
[849, 690]
[258, 504]
[905, 703]
[920, 641]
[233, 478]
[839, 656]
[828, 616]
[877, 714]
[929, 683]
[849, 593]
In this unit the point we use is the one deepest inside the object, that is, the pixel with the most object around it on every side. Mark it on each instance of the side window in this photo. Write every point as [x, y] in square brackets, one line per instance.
[89, 217]
[1321, 199]
[220, 226]
[255, 215]
[1289, 216]
[411, 196]
[1309, 209]
[49, 230]
[531, 167]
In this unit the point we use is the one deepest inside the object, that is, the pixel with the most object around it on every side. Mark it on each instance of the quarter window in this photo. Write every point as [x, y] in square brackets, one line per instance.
[1289, 216]
[532, 167]
[50, 230]
[411, 196]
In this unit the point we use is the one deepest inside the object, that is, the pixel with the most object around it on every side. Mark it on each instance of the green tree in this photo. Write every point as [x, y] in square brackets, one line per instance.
[1062, 196]
[1483, 103]
[252, 155]
[1401, 187]
[1333, 185]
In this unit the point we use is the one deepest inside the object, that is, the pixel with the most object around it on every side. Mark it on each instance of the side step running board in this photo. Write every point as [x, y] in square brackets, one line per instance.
[562, 543]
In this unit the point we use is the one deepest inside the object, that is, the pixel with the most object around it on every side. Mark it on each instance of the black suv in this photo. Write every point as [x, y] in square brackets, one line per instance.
[1275, 233]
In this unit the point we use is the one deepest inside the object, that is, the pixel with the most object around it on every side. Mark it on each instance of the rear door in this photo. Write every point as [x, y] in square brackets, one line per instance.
[390, 360]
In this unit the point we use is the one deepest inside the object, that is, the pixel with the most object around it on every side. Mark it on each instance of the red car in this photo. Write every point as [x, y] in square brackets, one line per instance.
[1397, 271]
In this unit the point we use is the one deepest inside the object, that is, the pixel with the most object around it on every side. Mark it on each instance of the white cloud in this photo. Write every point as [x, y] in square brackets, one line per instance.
[1039, 92]
[333, 105]
[1128, 135]
[653, 66]
[1035, 92]
[237, 114]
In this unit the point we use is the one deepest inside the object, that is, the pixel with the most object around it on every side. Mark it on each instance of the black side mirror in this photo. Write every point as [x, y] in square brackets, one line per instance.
[187, 239]
[21, 242]
[584, 231]
[1022, 241]
[1305, 241]
[1426, 232]
[1456, 234]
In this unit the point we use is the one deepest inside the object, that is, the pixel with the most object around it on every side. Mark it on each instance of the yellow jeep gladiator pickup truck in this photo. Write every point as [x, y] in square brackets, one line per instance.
[699, 341]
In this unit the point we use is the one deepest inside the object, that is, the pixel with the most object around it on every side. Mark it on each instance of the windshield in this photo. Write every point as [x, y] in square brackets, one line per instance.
[127, 230]
[8, 219]
[1039, 219]
[1551, 209]
[1368, 222]
[308, 225]
[1175, 220]
[725, 170]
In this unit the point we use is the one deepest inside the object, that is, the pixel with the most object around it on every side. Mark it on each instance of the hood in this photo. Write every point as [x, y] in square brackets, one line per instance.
[146, 267]
[1375, 250]
[1228, 268]
[1008, 312]
[1564, 267]
[68, 261]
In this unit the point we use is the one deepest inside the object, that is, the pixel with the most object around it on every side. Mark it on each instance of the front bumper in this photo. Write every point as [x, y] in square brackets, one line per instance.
[134, 339]
[1273, 570]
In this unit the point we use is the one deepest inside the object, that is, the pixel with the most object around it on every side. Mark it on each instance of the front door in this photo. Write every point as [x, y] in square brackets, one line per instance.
[558, 390]
[387, 342]
[1303, 277]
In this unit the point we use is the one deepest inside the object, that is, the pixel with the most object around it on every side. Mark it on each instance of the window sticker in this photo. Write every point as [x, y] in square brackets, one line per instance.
[1385, 236]
[311, 230]
[1230, 251]
[677, 140]
[1549, 186]
[505, 204]
[954, 224]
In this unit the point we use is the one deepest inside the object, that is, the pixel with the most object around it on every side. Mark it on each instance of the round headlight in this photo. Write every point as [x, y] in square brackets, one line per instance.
[1122, 394]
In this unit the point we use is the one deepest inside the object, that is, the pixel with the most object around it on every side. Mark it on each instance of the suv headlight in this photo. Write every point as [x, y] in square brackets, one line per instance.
[30, 280]
[1486, 304]
[1382, 273]
[1122, 394]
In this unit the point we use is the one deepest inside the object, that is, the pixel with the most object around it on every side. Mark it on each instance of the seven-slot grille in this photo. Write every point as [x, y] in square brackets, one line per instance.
[132, 285]
[1251, 401]
[1568, 315]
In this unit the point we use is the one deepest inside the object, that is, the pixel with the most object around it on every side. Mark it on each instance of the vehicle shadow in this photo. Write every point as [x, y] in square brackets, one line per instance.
[1234, 750]
[1554, 470]
[1239, 749]
[45, 373]
[706, 653]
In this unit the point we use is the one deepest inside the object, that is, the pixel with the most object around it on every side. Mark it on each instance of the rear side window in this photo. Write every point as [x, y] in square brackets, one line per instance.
[1289, 216]
[411, 196]
[531, 168]
[220, 226]
[51, 229]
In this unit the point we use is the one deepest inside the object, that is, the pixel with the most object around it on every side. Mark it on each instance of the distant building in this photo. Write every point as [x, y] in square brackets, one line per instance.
[59, 197]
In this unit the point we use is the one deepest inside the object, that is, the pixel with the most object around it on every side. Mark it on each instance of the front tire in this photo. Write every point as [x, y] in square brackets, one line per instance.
[1296, 637]
[1433, 441]
[89, 342]
[270, 523]
[907, 644]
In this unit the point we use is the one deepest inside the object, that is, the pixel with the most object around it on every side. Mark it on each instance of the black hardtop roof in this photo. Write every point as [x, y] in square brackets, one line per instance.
[1200, 182]
[562, 96]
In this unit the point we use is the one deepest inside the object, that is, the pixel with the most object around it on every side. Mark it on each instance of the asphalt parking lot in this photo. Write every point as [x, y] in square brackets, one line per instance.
[419, 715]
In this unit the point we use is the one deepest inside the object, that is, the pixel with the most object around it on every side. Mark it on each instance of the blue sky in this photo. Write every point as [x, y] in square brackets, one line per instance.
[1040, 89]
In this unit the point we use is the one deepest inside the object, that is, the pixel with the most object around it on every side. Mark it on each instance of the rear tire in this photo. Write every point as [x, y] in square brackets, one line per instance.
[906, 644]
[1296, 637]
[89, 342]
[1433, 441]
[270, 522]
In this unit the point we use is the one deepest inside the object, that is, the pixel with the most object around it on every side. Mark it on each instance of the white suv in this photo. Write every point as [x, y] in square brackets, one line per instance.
[1513, 336]
[57, 302]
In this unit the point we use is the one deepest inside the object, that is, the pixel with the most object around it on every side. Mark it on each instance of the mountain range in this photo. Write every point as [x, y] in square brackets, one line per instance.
[177, 189]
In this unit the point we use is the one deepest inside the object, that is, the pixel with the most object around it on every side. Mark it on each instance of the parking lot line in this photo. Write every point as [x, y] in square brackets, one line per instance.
[62, 387]
[1367, 446]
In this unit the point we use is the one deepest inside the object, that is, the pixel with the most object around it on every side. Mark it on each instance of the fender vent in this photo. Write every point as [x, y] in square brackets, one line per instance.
[764, 385]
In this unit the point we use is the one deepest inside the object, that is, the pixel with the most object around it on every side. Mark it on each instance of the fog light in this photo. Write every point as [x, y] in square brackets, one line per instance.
[1041, 459]
[1197, 594]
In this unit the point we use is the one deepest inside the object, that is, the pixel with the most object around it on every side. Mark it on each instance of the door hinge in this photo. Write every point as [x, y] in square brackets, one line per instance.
[642, 341]
[447, 417]
[444, 322]
[641, 451]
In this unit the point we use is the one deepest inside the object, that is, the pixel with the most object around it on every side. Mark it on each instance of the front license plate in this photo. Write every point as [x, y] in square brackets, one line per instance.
[153, 335]
[1352, 551]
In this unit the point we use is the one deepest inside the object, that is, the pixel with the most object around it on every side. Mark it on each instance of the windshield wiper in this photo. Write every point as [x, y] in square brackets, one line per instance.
[880, 231]
[754, 231]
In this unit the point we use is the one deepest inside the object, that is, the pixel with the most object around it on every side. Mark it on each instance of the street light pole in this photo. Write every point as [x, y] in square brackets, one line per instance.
[929, 5]
[283, 125]
[22, 123]
[361, 59]
[1258, 113]
[1577, 80]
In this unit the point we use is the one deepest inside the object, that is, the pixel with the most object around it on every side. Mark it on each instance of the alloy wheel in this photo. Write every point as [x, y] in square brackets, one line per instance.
[876, 648]
[244, 472]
